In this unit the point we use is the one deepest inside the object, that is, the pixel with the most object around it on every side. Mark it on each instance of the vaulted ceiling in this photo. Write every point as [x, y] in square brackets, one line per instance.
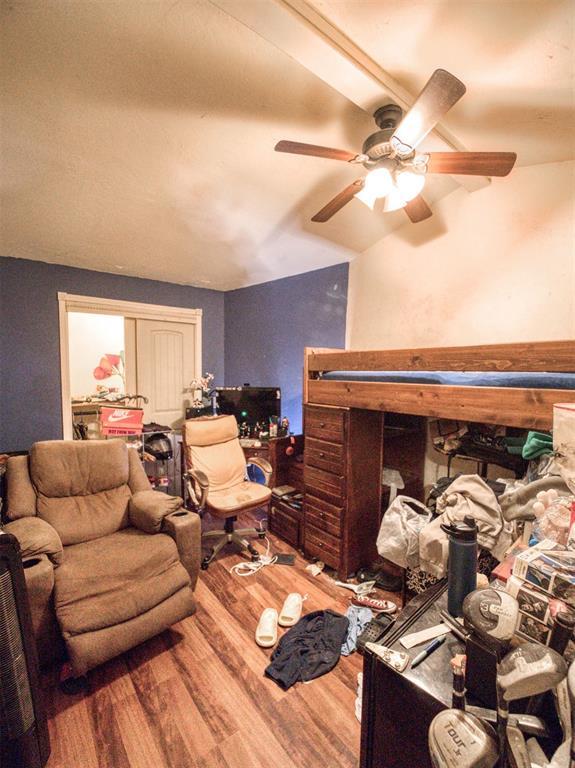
[137, 135]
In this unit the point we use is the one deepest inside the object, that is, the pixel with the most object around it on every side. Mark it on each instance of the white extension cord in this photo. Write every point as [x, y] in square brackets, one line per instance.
[249, 569]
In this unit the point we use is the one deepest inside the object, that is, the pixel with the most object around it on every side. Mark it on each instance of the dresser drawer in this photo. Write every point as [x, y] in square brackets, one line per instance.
[321, 545]
[324, 455]
[323, 515]
[284, 525]
[324, 484]
[325, 423]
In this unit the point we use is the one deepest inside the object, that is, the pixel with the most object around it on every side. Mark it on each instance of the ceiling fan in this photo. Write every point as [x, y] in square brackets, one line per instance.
[396, 171]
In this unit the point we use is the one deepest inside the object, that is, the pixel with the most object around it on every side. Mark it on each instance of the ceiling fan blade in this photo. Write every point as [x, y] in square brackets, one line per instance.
[338, 201]
[440, 93]
[472, 163]
[297, 148]
[418, 210]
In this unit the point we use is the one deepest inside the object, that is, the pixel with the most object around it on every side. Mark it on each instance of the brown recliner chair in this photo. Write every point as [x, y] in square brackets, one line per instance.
[113, 561]
[216, 480]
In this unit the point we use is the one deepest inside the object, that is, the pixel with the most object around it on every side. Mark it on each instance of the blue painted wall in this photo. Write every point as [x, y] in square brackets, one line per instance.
[254, 334]
[30, 399]
[267, 327]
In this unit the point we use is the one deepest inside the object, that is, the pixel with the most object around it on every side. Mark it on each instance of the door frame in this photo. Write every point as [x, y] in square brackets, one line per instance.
[69, 302]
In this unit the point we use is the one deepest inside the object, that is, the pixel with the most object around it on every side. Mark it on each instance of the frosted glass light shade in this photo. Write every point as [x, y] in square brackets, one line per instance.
[409, 184]
[378, 183]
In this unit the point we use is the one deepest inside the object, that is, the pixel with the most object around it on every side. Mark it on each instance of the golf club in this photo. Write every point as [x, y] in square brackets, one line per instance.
[536, 754]
[560, 757]
[529, 724]
[460, 740]
[492, 615]
[455, 626]
[518, 754]
[457, 664]
[563, 707]
[526, 671]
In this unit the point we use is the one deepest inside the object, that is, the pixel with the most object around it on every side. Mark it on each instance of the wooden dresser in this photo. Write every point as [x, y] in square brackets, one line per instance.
[342, 477]
[285, 520]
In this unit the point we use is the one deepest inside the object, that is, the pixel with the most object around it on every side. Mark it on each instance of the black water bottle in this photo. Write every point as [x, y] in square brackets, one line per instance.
[462, 565]
[562, 631]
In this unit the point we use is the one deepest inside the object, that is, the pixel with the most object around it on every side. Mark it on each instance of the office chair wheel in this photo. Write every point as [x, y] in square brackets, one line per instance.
[255, 558]
[206, 561]
[262, 534]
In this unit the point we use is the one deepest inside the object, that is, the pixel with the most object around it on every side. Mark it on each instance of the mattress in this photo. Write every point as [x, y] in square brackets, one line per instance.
[525, 380]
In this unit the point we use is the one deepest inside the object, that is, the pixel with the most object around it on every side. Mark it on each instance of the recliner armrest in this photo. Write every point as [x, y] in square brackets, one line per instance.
[39, 575]
[186, 529]
[147, 509]
[264, 465]
[36, 537]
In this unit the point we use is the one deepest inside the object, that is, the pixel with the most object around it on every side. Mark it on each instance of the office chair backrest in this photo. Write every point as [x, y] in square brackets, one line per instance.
[211, 445]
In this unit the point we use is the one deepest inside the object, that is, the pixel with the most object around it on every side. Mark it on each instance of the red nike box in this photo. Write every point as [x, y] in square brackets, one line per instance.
[121, 421]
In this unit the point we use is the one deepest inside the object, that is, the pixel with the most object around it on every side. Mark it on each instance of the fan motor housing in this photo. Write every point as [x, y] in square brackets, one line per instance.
[377, 145]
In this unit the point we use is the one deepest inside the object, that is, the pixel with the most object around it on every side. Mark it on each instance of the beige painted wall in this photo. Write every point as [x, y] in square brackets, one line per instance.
[496, 265]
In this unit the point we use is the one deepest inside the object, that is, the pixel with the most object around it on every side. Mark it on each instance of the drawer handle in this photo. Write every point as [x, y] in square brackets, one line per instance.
[322, 455]
[322, 424]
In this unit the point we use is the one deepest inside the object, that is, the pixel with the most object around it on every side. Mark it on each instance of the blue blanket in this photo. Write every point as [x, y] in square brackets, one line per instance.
[527, 380]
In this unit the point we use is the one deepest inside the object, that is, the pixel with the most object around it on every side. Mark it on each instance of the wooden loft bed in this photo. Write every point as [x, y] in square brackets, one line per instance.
[333, 377]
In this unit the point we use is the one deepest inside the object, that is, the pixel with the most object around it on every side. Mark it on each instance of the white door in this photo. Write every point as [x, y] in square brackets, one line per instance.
[166, 363]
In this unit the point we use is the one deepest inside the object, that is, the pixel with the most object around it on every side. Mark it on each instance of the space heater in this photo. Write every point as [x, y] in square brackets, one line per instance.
[24, 741]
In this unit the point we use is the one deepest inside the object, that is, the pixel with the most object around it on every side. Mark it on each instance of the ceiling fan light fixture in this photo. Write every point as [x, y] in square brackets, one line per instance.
[394, 201]
[409, 184]
[378, 183]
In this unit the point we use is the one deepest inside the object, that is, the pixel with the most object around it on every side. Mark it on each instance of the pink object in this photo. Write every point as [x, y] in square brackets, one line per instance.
[121, 421]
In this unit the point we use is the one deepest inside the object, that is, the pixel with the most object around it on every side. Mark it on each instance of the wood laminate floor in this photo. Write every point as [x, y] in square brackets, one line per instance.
[196, 696]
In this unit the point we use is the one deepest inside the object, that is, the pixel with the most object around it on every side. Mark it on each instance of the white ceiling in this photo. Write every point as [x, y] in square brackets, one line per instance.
[137, 136]
[516, 58]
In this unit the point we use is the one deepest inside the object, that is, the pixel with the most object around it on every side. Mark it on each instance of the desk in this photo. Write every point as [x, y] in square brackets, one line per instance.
[398, 708]
[284, 521]
[284, 466]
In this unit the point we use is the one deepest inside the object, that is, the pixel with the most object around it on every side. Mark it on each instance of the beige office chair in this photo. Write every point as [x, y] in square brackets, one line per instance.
[216, 480]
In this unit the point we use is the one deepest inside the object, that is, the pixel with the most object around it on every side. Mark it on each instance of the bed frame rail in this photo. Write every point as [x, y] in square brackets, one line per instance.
[550, 356]
[525, 407]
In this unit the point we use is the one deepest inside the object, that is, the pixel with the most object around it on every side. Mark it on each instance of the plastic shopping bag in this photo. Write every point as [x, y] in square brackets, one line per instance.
[398, 538]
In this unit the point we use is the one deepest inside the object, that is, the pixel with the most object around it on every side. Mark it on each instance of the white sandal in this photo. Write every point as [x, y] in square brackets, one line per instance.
[291, 612]
[267, 629]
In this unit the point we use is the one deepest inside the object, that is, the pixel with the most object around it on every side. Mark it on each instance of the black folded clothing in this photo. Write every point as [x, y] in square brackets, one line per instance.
[309, 649]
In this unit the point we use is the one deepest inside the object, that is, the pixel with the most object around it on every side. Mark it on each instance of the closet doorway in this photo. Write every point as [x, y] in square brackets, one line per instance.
[157, 352]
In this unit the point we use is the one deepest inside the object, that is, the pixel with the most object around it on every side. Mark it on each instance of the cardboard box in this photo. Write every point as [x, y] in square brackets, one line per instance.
[529, 628]
[550, 569]
[539, 605]
[121, 421]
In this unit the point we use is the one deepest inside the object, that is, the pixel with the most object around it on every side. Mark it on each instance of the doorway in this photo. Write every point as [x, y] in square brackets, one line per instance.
[111, 348]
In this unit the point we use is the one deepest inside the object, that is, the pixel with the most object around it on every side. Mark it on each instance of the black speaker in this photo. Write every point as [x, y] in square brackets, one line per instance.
[24, 741]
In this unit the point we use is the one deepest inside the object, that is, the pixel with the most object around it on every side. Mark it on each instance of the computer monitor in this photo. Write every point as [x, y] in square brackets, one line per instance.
[250, 404]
